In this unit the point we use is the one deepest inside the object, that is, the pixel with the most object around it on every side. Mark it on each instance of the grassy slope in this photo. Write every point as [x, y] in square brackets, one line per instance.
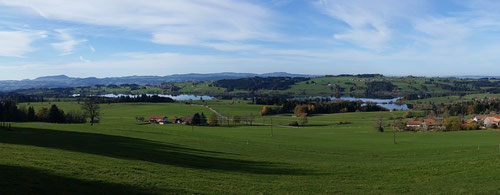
[120, 155]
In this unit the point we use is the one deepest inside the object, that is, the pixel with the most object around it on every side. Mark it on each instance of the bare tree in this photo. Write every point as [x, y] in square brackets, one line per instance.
[250, 118]
[91, 108]
[379, 123]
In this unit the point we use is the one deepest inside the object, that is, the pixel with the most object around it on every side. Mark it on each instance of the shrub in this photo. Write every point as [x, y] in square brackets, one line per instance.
[213, 120]
[344, 122]
[302, 120]
[408, 114]
[452, 124]
[139, 118]
[472, 126]
[75, 117]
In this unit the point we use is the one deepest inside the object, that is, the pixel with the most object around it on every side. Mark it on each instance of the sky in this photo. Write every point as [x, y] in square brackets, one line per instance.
[109, 38]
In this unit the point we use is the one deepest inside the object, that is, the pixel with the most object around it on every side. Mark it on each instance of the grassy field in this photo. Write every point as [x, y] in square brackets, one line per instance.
[121, 155]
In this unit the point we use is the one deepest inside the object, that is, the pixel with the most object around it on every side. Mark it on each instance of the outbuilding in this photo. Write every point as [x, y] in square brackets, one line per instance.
[156, 119]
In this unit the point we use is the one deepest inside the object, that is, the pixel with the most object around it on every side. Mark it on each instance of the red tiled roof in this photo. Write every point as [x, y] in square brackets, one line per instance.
[481, 117]
[429, 121]
[413, 123]
[154, 117]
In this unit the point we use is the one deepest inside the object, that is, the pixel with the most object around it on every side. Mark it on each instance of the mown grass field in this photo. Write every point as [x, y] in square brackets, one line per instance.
[121, 155]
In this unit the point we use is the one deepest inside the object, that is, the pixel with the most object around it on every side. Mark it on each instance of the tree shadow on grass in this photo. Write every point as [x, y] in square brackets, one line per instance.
[24, 180]
[140, 149]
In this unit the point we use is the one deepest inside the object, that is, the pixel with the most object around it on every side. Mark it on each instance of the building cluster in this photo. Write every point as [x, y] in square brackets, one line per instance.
[426, 124]
[485, 121]
[437, 123]
[161, 120]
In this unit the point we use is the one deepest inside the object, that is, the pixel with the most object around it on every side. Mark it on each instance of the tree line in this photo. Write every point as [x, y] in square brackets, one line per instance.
[257, 83]
[319, 107]
[139, 98]
[11, 112]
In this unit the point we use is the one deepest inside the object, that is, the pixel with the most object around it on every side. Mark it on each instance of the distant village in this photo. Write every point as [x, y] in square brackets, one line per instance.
[438, 123]
[161, 120]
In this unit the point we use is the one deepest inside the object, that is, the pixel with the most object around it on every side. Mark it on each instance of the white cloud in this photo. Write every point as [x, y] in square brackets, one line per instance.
[68, 42]
[83, 59]
[18, 43]
[181, 22]
[368, 21]
[442, 30]
[92, 49]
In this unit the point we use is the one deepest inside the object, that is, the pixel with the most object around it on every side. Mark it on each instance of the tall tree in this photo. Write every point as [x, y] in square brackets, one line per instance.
[31, 114]
[56, 115]
[213, 120]
[203, 119]
[92, 110]
[250, 118]
[196, 119]
[379, 123]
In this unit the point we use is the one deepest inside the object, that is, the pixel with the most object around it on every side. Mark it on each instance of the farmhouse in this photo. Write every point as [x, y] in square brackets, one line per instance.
[425, 124]
[479, 119]
[491, 121]
[156, 119]
[187, 120]
[429, 123]
[414, 124]
[177, 120]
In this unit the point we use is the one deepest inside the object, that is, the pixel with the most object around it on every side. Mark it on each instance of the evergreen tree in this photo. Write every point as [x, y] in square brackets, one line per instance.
[56, 115]
[203, 120]
[31, 114]
[196, 119]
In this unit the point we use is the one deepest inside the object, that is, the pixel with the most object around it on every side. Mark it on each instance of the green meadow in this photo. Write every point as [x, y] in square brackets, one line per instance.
[122, 155]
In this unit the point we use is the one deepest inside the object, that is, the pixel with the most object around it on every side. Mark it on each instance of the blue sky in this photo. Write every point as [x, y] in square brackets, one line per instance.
[105, 38]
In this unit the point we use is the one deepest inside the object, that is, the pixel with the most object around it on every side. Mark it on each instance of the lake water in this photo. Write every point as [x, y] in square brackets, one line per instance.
[385, 103]
[182, 97]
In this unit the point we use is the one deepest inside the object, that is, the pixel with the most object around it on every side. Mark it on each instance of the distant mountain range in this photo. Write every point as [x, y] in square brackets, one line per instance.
[65, 81]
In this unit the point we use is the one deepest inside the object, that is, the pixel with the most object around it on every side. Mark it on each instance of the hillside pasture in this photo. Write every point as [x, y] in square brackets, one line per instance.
[121, 155]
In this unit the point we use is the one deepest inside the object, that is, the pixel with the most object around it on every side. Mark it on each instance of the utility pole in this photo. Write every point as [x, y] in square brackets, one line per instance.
[272, 131]
[394, 131]
[394, 136]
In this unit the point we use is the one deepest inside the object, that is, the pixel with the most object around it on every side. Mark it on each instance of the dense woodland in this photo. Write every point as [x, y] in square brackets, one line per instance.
[318, 107]
[257, 83]
[140, 98]
[10, 112]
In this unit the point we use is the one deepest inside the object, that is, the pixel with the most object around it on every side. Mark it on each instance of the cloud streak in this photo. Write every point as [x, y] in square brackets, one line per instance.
[18, 43]
[186, 22]
[68, 42]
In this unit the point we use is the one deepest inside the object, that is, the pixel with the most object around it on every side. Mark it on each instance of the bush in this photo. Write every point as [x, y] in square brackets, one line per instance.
[344, 122]
[408, 114]
[293, 123]
[452, 124]
[213, 120]
[139, 118]
[302, 121]
[472, 126]
[75, 117]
